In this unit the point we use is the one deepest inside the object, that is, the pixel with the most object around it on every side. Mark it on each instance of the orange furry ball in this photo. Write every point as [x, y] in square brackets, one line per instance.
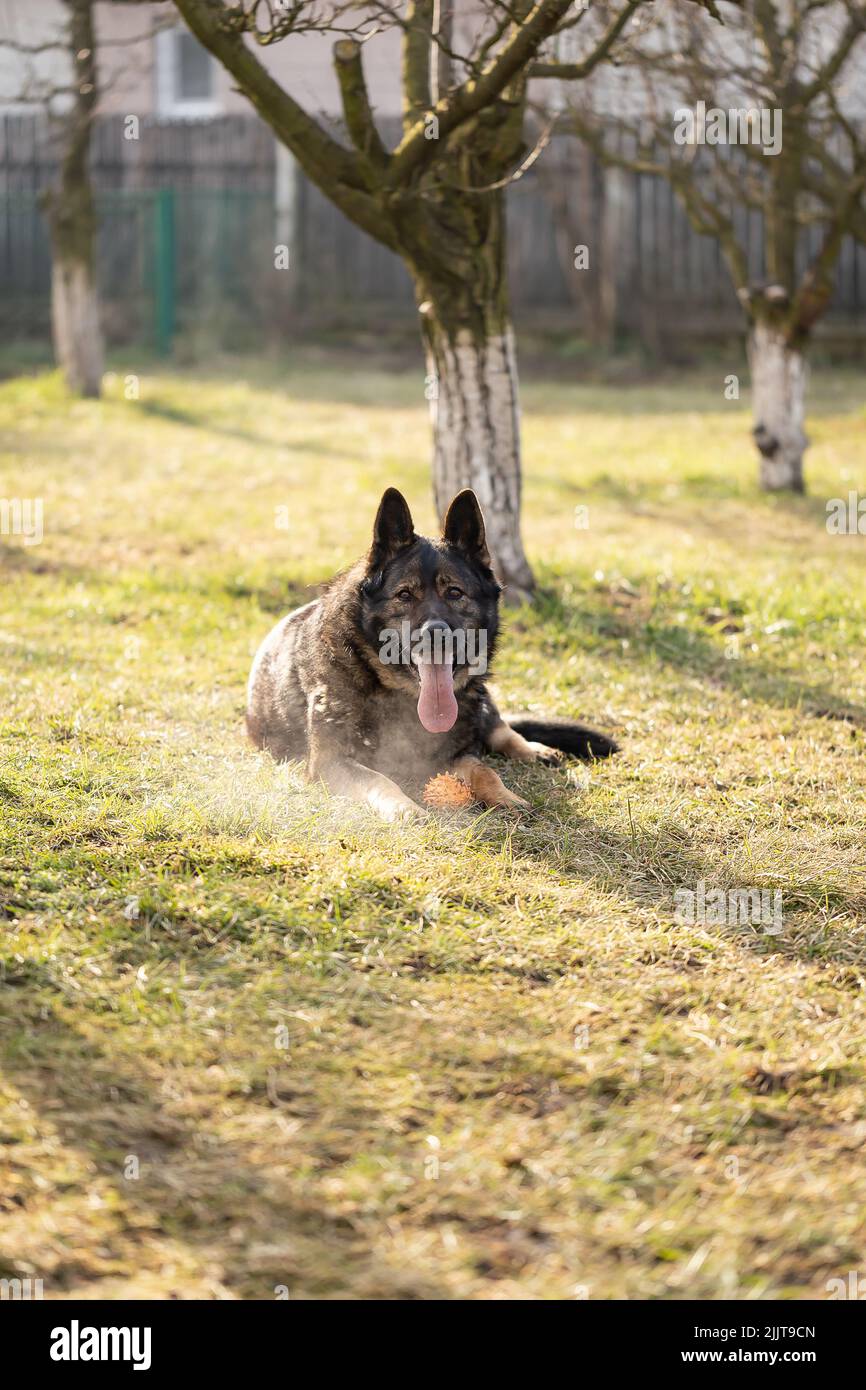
[447, 792]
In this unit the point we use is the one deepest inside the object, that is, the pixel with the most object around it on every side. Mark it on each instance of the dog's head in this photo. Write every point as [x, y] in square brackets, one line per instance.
[430, 609]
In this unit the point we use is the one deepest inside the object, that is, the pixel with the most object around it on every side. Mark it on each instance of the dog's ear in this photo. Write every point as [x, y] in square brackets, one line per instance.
[464, 527]
[392, 529]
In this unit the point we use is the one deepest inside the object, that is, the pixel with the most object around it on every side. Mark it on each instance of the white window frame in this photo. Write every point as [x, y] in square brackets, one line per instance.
[165, 66]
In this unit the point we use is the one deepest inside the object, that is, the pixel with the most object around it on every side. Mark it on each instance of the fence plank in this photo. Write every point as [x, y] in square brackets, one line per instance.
[655, 270]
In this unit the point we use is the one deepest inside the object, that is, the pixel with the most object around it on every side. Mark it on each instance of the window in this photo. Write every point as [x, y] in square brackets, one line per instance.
[185, 76]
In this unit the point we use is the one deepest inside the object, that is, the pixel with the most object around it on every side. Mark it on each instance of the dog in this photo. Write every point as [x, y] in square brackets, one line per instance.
[375, 715]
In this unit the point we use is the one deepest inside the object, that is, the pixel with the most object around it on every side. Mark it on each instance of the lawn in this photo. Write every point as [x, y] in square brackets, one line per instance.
[255, 1044]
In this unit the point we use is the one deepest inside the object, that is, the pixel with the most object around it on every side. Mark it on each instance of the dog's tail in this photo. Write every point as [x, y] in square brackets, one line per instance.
[575, 739]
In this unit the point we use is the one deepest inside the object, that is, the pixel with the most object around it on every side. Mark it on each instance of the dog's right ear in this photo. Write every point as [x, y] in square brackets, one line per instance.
[464, 527]
[392, 530]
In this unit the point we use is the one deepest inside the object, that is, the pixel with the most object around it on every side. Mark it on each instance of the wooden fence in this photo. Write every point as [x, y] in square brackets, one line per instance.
[235, 197]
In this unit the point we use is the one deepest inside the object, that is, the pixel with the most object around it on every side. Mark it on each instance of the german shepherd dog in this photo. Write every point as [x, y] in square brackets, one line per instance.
[324, 685]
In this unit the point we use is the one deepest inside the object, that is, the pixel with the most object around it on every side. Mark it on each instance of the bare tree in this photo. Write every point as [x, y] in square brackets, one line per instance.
[75, 323]
[758, 113]
[437, 199]
[69, 95]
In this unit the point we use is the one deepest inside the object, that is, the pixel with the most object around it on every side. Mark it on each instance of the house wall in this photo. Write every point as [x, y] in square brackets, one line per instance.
[128, 62]
[302, 64]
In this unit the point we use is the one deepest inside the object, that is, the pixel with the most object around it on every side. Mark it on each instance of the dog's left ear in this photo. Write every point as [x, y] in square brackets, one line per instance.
[392, 529]
[464, 527]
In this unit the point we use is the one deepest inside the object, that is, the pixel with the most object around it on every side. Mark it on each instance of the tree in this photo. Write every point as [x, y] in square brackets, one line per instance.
[70, 101]
[438, 198]
[69, 205]
[755, 114]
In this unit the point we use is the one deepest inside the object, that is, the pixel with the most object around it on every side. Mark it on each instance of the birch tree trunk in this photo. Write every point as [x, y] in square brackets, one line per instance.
[778, 372]
[460, 283]
[473, 389]
[75, 324]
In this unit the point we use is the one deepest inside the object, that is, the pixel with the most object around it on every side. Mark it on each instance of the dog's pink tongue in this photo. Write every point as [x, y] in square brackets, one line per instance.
[437, 707]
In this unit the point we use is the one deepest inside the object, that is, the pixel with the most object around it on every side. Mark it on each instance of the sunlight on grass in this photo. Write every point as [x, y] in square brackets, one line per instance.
[476, 1058]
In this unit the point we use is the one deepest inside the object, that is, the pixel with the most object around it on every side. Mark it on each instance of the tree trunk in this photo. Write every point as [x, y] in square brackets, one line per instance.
[778, 371]
[75, 323]
[460, 282]
[72, 222]
[472, 384]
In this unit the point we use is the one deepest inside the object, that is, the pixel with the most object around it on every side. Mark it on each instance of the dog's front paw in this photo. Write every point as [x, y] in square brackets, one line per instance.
[551, 757]
[394, 807]
[510, 801]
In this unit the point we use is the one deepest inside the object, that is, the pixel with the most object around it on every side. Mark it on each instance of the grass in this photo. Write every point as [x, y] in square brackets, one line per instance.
[252, 1041]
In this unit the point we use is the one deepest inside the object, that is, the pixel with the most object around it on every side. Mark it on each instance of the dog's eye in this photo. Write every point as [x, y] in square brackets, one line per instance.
[453, 592]
[405, 595]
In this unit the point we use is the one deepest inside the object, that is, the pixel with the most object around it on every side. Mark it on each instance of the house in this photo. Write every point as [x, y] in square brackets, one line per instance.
[151, 65]
[205, 189]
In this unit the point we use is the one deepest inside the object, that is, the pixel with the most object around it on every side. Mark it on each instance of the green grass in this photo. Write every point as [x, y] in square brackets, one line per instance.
[479, 1058]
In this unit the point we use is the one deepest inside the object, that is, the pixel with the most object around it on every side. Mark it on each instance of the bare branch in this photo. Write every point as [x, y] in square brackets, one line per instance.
[416, 151]
[356, 106]
[336, 170]
[577, 71]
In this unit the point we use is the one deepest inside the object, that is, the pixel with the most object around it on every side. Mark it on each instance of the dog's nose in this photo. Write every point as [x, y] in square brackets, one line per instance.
[435, 642]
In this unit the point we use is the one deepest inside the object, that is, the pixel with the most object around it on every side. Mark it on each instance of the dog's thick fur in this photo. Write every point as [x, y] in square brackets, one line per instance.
[318, 689]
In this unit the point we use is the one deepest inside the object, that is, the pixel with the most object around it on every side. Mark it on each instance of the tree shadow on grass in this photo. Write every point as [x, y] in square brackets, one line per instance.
[247, 1230]
[177, 415]
[690, 506]
[697, 655]
[33, 560]
[649, 866]
[661, 399]
[276, 595]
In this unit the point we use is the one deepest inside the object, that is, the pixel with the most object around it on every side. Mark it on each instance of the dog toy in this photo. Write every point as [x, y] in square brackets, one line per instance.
[447, 792]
